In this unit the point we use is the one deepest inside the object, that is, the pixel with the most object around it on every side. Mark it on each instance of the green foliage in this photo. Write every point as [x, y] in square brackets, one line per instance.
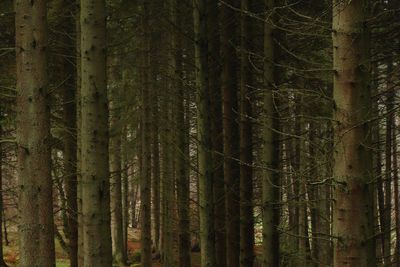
[62, 263]
[136, 256]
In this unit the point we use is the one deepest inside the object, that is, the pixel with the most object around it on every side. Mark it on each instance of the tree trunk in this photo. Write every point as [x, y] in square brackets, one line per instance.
[145, 177]
[125, 186]
[230, 133]
[387, 230]
[354, 243]
[246, 145]
[115, 174]
[182, 153]
[94, 136]
[270, 152]
[214, 74]
[70, 169]
[78, 135]
[207, 234]
[2, 263]
[396, 197]
[36, 229]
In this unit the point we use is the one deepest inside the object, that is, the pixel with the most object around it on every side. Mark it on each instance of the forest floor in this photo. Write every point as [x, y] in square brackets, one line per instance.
[134, 248]
[11, 251]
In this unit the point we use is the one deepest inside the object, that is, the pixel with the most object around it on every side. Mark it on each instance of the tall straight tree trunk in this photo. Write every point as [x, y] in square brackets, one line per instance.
[183, 185]
[115, 176]
[167, 138]
[246, 145]
[214, 74]
[155, 43]
[320, 202]
[78, 134]
[207, 234]
[155, 182]
[70, 165]
[36, 225]
[2, 263]
[301, 164]
[396, 197]
[270, 152]
[125, 185]
[354, 243]
[155, 174]
[182, 153]
[145, 177]
[388, 166]
[94, 136]
[229, 89]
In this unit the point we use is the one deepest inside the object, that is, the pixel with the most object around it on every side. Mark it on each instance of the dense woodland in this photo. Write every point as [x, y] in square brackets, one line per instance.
[212, 133]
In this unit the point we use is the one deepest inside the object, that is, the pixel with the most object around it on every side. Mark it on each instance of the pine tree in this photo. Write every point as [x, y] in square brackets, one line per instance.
[354, 244]
[36, 226]
[95, 184]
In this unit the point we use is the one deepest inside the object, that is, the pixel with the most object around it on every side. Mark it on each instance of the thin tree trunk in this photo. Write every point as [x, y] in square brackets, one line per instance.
[214, 73]
[36, 228]
[182, 154]
[115, 175]
[353, 228]
[145, 177]
[94, 136]
[396, 197]
[70, 167]
[246, 146]
[207, 234]
[387, 231]
[2, 263]
[125, 187]
[270, 152]
[229, 85]
[78, 135]
[155, 168]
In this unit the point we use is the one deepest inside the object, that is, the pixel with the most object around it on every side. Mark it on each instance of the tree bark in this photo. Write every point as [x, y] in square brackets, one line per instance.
[246, 144]
[270, 151]
[354, 243]
[145, 177]
[94, 136]
[115, 173]
[36, 228]
[387, 229]
[214, 74]
[229, 89]
[182, 152]
[2, 263]
[207, 234]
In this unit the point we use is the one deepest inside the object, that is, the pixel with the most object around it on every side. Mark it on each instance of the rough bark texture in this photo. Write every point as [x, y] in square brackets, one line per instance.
[2, 263]
[387, 229]
[145, 177]
[246, 145]
[117, 232]
[214, 74]
[70, 163]
[95, 183]
[182, 155]
[354, 243]
[229, 85]
[79, 136]
[35, 204]
[208, 257]
[270, 152]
